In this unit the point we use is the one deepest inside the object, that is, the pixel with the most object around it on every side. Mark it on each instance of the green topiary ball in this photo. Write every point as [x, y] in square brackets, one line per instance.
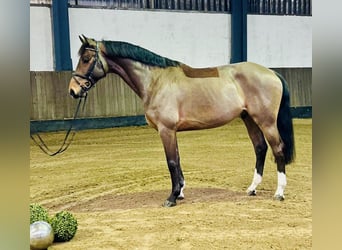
[38, 213]
[64, 225]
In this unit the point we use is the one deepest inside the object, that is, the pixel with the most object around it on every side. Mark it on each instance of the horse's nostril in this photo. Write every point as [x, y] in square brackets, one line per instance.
[73, 94]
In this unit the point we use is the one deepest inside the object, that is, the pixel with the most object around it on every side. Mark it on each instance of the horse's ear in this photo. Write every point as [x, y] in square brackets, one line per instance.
[83, 39]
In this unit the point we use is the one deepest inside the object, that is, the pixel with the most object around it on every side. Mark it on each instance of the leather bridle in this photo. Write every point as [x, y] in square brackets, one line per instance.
[89, 76]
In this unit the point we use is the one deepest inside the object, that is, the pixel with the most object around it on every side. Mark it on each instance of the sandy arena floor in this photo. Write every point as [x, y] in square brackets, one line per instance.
[115, 180]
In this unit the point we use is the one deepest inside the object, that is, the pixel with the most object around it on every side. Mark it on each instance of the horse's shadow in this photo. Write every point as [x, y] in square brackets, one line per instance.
[153, 199]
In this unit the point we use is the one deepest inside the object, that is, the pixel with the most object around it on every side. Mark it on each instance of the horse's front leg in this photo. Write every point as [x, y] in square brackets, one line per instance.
[169, 140]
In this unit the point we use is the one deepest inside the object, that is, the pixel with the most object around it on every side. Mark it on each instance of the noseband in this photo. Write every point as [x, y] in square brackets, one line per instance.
[89, 76]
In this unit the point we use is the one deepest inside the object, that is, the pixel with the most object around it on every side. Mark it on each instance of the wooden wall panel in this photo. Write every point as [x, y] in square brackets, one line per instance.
[111, 97]
[300, 85]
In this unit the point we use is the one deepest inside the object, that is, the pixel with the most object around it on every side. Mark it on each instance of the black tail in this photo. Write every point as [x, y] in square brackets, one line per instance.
[284, 123]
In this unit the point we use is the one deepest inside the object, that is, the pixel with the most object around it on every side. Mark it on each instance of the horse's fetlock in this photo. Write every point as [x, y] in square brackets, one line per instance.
[177, 193]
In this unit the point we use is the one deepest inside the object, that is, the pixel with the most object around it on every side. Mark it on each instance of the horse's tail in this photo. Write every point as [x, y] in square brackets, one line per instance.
[284, 123]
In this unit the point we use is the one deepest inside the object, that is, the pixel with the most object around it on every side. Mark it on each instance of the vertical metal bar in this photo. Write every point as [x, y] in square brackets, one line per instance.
[250, 6]
[61, 37]
[300, 9]
[273, 7]
[263, 7]
[279, 7]
[239, 31]
[308, 7]
[290, 6]
[193, 5]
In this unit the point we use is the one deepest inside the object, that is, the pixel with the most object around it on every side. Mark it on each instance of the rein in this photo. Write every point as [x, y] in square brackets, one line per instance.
[91, 80]
[41, 144]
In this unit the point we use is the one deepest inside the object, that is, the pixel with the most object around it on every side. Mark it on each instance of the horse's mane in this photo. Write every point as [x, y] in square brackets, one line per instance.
[134, 52]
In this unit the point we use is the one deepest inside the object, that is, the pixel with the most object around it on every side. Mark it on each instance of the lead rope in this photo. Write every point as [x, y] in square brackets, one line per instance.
[41, 144]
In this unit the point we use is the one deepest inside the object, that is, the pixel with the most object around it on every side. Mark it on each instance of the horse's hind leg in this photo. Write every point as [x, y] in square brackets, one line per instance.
[272, 136]
[260, 149]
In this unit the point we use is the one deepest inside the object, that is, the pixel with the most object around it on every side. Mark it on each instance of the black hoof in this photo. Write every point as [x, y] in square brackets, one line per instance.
[180, 198]
[168, 203]
[279, 197]
[251, 193]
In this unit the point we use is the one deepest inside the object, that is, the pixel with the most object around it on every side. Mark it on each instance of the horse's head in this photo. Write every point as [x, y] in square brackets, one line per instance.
[91, 67]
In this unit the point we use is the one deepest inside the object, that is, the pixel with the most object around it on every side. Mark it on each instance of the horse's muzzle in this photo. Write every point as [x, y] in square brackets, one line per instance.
[76, 90]
[73, 94]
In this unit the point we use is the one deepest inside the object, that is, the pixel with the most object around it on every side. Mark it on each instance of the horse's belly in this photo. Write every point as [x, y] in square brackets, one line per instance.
[196, 125]
[201, 112]
[203, 120]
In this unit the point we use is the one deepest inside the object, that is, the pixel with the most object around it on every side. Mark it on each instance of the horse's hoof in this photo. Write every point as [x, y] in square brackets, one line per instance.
[251, 192]
[168, 203]
[279, 197]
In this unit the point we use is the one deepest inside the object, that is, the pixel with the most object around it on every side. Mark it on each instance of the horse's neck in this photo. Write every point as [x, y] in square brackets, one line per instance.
[135, 74]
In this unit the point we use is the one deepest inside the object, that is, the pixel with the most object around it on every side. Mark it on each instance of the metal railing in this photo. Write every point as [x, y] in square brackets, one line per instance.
[258, 7]
[280, 7]
[41, 2]
[187, 5]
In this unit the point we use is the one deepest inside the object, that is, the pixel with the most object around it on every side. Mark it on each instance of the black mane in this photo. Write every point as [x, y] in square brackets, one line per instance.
[134, 52]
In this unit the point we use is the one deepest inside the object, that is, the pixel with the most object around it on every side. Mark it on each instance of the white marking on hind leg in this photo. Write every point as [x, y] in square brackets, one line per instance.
[251, 190]
[279, 194]
[181, 194]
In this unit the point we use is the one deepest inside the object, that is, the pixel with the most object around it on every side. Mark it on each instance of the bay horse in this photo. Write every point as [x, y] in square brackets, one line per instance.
[177, 97]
